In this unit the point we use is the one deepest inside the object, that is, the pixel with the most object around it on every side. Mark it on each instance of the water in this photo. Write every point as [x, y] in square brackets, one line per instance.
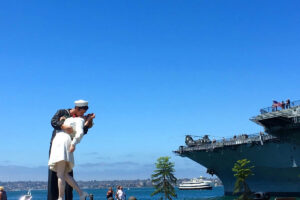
[140, 193]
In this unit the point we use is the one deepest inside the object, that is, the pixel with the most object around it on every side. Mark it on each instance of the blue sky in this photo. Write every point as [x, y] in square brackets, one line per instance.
[152, 71]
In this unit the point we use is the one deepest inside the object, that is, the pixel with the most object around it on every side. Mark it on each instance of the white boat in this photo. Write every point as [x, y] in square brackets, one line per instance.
[26, 196]
[196, 184]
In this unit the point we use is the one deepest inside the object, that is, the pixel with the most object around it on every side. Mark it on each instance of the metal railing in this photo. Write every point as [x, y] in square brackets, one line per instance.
[277, 108]
[240, 139]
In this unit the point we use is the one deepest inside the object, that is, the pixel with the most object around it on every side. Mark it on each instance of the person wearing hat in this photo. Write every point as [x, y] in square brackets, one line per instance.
[57, 122]
[3, 195]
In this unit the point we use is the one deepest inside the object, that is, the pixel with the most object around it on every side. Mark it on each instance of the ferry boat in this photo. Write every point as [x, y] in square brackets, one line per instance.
[196, 184]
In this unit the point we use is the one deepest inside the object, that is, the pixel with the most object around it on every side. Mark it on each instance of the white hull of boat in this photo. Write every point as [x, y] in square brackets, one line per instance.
[195, 188]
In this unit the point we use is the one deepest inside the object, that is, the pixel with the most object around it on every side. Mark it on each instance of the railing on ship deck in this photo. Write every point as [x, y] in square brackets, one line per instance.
[241, 139]
[277, 108]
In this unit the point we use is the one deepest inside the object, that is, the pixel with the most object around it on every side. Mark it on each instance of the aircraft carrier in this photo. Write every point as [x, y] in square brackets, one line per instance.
[275, 153]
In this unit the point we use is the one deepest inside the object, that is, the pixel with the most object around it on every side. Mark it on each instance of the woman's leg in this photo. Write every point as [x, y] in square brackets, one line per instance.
[60, 171]
[70, 180]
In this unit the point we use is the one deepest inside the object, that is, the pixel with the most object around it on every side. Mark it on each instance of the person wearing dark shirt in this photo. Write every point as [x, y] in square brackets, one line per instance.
[57, 123]
[3, 195]
[110, 194]
[288, 103]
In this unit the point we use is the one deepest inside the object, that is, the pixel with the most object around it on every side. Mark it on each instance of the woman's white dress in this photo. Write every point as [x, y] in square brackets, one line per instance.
[62, 142]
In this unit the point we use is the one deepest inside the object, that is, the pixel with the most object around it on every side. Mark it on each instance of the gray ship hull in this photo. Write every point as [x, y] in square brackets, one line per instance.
[276, 165]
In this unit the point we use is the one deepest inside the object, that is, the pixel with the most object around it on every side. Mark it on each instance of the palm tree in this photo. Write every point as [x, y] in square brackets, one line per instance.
[163, 178]
[242, 171]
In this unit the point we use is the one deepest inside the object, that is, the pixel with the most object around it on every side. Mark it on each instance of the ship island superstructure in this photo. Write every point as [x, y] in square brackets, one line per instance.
[275, 153]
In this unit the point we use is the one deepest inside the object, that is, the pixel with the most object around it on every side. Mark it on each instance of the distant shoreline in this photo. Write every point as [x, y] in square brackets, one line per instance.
[93, 184]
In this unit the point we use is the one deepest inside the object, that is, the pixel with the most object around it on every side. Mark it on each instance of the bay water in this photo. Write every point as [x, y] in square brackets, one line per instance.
[140, 193]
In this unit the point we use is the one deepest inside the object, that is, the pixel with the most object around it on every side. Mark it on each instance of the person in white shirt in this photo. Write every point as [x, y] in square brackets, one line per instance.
[61, 155]
[121, 194]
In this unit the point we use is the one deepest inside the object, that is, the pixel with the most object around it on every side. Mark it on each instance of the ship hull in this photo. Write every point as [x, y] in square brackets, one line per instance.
[275, 164]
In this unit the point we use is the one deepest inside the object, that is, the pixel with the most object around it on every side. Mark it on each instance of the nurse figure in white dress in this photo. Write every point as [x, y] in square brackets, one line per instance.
[61, 156]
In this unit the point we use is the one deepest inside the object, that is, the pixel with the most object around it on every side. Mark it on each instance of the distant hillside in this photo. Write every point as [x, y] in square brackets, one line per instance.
[94, 184]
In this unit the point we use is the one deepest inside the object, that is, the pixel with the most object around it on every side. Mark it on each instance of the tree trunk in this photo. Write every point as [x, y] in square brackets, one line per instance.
[165, 188]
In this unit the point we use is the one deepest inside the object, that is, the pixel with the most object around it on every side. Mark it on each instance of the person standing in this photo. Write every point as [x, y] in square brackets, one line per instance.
[57, 122]
[288, 103]
[274, 106]
[118, 188]
[282, 105]
[110, 194]
[121, 194]
[3, 195]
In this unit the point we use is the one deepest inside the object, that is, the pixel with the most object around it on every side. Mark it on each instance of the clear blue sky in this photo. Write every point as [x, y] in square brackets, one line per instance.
[152, 71]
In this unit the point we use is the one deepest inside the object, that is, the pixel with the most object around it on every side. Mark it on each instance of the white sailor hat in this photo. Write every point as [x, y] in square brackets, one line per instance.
[81, 103]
